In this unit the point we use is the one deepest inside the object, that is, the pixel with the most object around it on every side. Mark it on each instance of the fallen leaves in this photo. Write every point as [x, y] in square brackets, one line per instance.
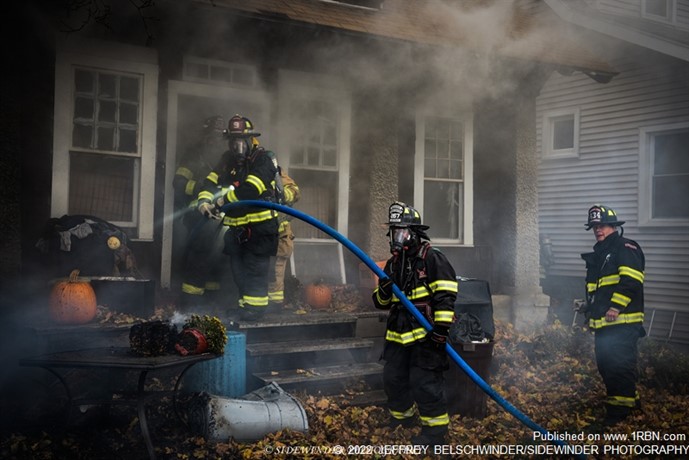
[550, 377]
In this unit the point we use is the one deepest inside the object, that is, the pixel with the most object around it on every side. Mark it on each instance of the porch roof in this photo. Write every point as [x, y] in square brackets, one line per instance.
[522, 29]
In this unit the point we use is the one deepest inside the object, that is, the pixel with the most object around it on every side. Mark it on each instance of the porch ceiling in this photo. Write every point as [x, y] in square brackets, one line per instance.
[521, 29]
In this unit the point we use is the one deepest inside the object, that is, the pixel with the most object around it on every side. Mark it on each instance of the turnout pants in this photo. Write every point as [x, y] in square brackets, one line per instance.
[276, 289]
[414, 374]
[203, 259]
[616, 358]
[250, 250]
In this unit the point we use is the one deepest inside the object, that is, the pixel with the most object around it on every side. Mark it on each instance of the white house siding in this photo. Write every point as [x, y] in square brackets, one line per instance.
[606, 170]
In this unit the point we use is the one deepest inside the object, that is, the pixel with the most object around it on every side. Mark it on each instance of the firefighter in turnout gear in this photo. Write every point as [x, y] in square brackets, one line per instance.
[287, 194]
[414, 358]
[615, 309]
[245, 172]
[202, 266]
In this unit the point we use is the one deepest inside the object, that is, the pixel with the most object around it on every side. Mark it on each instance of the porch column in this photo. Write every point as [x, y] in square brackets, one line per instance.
[529, 304]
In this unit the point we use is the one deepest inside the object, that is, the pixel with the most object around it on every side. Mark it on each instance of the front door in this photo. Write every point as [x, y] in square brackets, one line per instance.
[189, 104]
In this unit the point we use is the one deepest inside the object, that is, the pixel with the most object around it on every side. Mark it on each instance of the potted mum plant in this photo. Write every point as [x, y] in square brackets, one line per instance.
[200, 334]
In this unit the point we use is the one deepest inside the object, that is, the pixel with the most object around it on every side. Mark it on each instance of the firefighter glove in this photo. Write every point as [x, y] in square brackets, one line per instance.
[209, 210]
[385, 287]
[439, 337]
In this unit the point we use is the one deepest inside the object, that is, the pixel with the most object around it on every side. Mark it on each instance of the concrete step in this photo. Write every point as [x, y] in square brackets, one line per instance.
[283, 327]
[326, 377]
[305, 346]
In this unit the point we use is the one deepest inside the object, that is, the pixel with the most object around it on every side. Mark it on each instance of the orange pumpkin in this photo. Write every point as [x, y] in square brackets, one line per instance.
[72, 301]
[318, 295]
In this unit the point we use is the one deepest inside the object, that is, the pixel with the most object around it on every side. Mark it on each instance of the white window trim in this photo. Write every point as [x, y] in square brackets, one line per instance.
[113, 57]
[672, 10]
[419, 177]
[547, 134]
[646, 173]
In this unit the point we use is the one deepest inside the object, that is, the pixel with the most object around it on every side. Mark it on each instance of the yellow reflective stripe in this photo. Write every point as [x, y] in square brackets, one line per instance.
[402, 415]
[443, 316]
[276, 296]
[440, 420]
[185, 172]
[191, 289]
[288, 195]
[609, 280]
[205, 195]
[444, 285]
[257, 183]
[232, 196]
[620, 299]
[406, 337]
[590, 287]
[283, 226]
[623, 318]
[251, 218]
[254, 301]
[189, 189]
[212, 286]
[625, 401]
[380, 299]
[630, 272]
[213, 177]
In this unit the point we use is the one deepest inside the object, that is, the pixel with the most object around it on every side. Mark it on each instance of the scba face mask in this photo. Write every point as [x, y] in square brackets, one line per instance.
[401, 238]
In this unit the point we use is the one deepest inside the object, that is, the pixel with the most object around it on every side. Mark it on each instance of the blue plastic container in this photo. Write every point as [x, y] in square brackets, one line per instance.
[225, 376]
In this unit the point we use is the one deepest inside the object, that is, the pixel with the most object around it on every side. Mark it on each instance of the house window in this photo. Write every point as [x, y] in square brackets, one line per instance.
[659, 10]
[227, 73]
[105, 128]
[665, 184]
[443, 159]
[561, 134]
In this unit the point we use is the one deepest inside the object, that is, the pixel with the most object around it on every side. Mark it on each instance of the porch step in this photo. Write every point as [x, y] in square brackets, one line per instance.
[320, 375]
[320, 345]
[284, 327]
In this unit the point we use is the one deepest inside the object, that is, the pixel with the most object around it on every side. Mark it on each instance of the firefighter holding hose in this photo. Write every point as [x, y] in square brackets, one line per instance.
[414, 358]
[615, 309]
[245, 172]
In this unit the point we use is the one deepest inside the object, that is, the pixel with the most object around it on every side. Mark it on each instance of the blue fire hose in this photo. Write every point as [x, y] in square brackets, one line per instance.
[405, 301]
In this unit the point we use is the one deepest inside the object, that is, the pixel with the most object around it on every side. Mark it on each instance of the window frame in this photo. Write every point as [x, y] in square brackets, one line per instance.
[671, 17]
[646, 172]
[118, 59]
[548, 134]
[468, 180]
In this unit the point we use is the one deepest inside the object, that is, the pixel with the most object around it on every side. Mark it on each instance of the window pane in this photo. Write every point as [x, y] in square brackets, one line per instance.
[82, 136]
[456, 130]
[107, 85]
[669, 196]
[442, 209]
[563, 134]
[106, 111]
[656, 7]
[129, 89]
[318, 199]
[106, 138]
[443, 148]
[670, 153]
[195, 70]
[83, 108]
[127, 141]
[443, 169]
[455, 169]
[456, 150]
[129, 113]
[329, 157]
[221, 74]
[102, 186]
[429, 168]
